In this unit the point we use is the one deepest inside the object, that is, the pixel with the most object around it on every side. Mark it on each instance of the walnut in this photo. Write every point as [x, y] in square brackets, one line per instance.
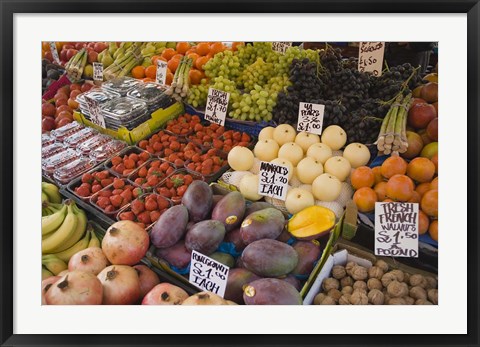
[431, 283]
[388, 278]
[423, 302]
[375, 272]
[376, 297]
[344, 300]
[328, 301]
[335, 293]
[360, 285]
[397, 289]
[409, 300]
[330, 283]
[386, 296]
[338, 272]
[406, 277]
[359, 298]
[359, 273]
[349, 267]
[417, 281]
[396, 301]
[319, 298]
[347, 290]
[418, 293]
[347, 281]
[374, 283]
[382, 265]
[398, 274]
[433, 296]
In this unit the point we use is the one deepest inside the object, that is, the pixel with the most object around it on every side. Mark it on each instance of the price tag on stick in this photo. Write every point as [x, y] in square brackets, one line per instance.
[217, 105]
[161, 72]
[96, 115]
[208, 274]
[53, 49]
[310, 118]
[281, 47]
[396, 229]
[273, 180]
[370, 57]
[97, 71]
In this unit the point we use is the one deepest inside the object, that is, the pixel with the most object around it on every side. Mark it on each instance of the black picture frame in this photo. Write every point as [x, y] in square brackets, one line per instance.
[9, 7]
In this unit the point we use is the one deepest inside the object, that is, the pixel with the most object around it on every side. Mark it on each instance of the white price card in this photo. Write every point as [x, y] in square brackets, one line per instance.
[310, 117]
[273, 180]
[217, 105]
[370, 57]
[97, 71]
[281, 47]
[396, 229]
[208, 274]
[53, 49]
[161, 72]
[96, 115]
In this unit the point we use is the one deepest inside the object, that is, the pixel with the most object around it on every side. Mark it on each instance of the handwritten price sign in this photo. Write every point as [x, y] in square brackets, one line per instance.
[281, 47]
[310, 118]
[53, 49]
[208, 274]
[217, 105]
[370, 57]
[161, 72]
[96, 115]
[396, 229]
[97, 71]
[273, 180]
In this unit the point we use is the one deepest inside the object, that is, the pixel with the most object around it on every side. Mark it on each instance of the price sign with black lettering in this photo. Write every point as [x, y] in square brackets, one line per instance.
[161, 72]
[310, 118]
[273, 180]
[396, 229]
[370, 57]
[96, 115]
[208, 274]
[97, 71]
[281, 47]
[217, 105]
[53, 49]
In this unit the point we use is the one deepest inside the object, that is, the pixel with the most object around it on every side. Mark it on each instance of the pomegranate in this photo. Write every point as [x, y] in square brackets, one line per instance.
[121, 285]
[420, 115]
[75, 288]
[429, 92]
[125, 243]
[165, 294]
[90, 260]
[46, 284]
[148, 279]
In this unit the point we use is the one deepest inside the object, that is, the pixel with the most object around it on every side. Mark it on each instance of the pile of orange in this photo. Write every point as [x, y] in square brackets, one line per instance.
[397, 180]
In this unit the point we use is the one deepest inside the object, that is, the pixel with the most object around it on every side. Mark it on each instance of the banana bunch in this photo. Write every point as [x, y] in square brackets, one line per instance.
[53, 264]
[50, 193]
[89, 239]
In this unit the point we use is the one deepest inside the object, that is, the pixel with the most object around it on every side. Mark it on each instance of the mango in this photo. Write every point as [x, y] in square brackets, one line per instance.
[269, 258]
[224, 258]
[230, 210]
[170, 227]
[295, 282]
[177, 255]
[215, 199]
[239, 263]
[311, 223]
[205, 236]
[264, 224]
[271, 291]
[257, 206]
[235, 238]
[308, 253]
[237, 278]
[198, 200]
[284, 237]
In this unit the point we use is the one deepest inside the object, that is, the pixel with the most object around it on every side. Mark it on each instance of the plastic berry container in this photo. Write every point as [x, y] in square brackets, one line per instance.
[67, 130]
[63, 175]
[105, 200]
[121, 164]
[121, 85]
[151, 173]
[174, 186]
[58, 160]
[79, 137]
[107, 150]
[47, 140]
[92, 143]
[51, 150]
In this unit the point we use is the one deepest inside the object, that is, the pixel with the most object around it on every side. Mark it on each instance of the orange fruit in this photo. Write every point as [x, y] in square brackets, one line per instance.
[388, 200]
[148, 79]
[183, 47]
[422, 188]
[168, 53]
[177, 56]
[201, 61]
[195, 76]
[429, 203]
[434, 183]
[393, 165]
[421, 169]
[191, 50]
[156, 58]
[235, 45]
[173, 64]
[138, 72]
[365, 199]
[151, 72]
[193, 56]
[433, 230]
[217, 47]
[203, 48]
[435, 162]
[400, 188]
[423, 223]
[169, 78]
[381, 190]
[362, 177]
[415, 197]
[377, 172]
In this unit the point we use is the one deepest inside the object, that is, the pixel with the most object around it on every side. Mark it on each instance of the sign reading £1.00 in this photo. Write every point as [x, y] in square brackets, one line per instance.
[310, 118]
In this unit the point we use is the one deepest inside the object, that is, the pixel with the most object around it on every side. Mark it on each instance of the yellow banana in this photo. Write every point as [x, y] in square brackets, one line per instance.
[79, 230]
[94, 241]
[79, 246]
[51, 190]
[53, 221]
[62, 234]
[53, 264]
[44, 197]
[46, 273]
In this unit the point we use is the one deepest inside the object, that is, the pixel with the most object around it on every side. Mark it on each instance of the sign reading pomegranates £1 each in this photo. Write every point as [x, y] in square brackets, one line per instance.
[370, 57]
[217, 105]
[208, 274]
[273, 180]
[310, 118]
[396, 229]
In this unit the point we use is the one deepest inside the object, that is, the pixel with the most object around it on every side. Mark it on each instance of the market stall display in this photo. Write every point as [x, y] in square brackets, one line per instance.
[214, 173]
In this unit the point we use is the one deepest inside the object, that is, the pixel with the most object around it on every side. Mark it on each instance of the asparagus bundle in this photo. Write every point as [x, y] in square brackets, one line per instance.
[181, 81]
[127, 56]
[392, 136]
[76, 64]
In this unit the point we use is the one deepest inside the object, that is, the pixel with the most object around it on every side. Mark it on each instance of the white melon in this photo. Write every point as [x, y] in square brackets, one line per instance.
[339, 167]
[266, 133]
[334, 136]
[284, 133]
[298, 199]
[292, 152]
[266, 150]
[320, 151]
[357, 154]
[240, 158]
[305, 140]
[326, 187]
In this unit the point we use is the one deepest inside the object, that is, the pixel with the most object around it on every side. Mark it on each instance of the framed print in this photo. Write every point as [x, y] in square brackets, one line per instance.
[239, 173]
